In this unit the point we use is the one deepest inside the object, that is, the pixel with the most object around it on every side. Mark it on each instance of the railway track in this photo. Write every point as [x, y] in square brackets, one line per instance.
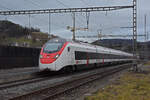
[58, 89]
[34, 78]
[21, 82]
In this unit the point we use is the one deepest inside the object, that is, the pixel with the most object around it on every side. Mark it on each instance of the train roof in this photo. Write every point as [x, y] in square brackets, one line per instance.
[57, 40]
[91, 45]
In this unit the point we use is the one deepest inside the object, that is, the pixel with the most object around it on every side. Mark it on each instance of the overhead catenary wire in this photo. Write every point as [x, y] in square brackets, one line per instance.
[68, 7]
[1, 6]
[49, 22]
[85, 3]
[87, 13]
[62, 3]
[29, 16]
[57, 0]
[33, 3]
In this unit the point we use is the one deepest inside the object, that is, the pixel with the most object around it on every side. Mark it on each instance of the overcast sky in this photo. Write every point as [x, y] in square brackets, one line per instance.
[108, 22]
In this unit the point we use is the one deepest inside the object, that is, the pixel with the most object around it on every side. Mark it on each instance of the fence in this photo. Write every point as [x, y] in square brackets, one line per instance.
[17, 57]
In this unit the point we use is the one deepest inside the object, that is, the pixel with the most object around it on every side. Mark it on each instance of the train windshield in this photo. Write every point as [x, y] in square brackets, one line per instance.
[52, 47]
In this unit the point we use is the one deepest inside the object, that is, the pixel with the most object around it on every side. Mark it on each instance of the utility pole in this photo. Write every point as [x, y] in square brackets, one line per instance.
[29, 22]
[73, 30]
[5, 18]
[135, 35]
[145, 19]
[146, 37]
[49, 28]
[87, 19]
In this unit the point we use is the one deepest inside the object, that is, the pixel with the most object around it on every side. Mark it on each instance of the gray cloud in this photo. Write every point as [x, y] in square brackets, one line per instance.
[109, 23]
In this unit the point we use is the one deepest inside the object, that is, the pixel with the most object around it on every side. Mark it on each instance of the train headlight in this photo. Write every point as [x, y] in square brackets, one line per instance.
[56, 56]
[41, 56]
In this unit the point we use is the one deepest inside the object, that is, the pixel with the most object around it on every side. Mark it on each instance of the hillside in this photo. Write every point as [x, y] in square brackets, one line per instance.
[121, 44]
[125, 45]
[10, 29]
[17, 35]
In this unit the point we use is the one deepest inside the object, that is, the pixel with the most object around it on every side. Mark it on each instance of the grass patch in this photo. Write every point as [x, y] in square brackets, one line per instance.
[148, 63]
[131, 86]
[22, 40]
[19, 40]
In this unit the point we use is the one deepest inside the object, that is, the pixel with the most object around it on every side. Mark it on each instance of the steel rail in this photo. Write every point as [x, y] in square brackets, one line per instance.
[32, 79]
[21, 82]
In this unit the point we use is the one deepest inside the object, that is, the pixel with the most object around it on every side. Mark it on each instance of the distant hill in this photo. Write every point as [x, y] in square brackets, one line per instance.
[120, 44]
[10, 29]
[125, 45]
[117, 42]
[17, 35]
[112, 42]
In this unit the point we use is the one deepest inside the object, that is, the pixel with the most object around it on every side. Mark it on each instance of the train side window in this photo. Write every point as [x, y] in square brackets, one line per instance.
[68, 49]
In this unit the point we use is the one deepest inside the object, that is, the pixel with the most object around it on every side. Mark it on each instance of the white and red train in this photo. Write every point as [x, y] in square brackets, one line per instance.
[58, 54]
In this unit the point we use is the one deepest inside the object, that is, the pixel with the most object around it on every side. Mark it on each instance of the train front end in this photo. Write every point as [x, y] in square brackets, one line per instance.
[50, 53]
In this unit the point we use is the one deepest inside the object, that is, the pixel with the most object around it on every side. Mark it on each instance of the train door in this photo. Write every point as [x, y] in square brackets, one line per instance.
[97, 56]
[70, 55]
